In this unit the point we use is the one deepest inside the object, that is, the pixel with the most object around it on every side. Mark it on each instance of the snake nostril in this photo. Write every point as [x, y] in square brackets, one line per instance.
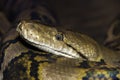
[20, 28]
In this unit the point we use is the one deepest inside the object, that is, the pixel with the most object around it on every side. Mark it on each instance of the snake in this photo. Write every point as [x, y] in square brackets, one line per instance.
[39, 51]
[62, 43]
[46, 66]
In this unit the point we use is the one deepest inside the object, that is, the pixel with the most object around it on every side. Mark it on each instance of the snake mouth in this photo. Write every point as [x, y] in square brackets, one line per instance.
[56, 52]
[46, 48]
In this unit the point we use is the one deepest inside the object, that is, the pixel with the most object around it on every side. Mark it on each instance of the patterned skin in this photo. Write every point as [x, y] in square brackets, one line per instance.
[66, 43]
[21, 61]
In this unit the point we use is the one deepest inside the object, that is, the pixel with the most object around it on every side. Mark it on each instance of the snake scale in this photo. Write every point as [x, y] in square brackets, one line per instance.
[20, 60]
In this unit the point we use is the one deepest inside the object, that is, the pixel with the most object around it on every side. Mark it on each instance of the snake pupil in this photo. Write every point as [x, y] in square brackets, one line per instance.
[59, 37]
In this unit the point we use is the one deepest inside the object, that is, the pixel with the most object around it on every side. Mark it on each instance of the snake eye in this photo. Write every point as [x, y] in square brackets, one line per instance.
[59, 36]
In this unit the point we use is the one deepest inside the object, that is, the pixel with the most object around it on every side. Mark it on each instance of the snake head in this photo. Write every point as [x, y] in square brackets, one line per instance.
[46, 38]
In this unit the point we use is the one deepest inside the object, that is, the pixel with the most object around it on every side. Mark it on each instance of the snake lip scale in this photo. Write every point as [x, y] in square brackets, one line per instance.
[51, 50]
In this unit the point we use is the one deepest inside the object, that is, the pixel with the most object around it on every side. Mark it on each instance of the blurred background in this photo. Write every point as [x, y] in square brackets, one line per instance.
[91, 17]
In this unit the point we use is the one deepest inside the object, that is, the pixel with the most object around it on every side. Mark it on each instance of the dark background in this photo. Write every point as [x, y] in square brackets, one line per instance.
[92, 17]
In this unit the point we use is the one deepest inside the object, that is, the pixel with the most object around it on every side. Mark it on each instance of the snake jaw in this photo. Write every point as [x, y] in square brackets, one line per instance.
[57, 52]
[46, 48]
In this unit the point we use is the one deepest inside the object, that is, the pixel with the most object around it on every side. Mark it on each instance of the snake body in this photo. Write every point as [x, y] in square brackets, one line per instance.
[24, 62]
